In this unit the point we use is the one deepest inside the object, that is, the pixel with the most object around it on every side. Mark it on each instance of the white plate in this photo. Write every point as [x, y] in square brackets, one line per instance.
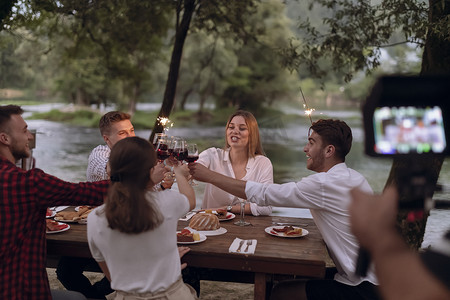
[188, 216]
[56, 231]
[78, 207]
[230, 216]
[60, 219]
[219, 231]
[202, 239]
[52, 215]
[270, 231]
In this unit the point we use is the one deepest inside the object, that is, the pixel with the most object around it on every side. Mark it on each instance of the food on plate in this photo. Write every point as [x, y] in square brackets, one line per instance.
[204, 222]
[49, 212]
[54, 226]
[208, 211]
[287, 230]
[186, 235]
[221, 213]
[284, 229]
[295, 231]
[82, 213]
[67, 215]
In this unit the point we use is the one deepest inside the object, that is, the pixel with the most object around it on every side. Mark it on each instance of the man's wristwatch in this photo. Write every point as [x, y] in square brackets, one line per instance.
[229, 207]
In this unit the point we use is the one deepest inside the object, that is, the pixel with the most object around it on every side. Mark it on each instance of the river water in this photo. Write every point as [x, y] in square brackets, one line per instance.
[62, 150]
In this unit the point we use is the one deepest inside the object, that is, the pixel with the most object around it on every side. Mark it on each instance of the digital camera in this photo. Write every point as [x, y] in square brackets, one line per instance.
[406, 116]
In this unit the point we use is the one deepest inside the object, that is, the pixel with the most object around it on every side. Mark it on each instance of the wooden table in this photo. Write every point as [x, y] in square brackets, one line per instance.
[303, 256]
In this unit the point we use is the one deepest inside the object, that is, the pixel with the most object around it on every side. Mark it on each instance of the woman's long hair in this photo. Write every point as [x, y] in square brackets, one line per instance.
[126, 208]
[254, 146]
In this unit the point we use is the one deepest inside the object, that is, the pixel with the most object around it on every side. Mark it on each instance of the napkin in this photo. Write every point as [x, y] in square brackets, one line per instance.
[188, 216]
[60, 208]
[235, 245]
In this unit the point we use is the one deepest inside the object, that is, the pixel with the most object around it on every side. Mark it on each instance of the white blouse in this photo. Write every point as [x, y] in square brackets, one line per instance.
[144, 262]
[259, 169]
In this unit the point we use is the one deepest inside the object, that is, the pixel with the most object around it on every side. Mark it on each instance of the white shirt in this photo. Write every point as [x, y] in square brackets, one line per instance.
[327, 195]
[144, 262]
[258, 169]
[98, 159]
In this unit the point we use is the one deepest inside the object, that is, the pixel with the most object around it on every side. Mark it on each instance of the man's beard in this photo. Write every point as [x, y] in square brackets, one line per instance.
[19, 153]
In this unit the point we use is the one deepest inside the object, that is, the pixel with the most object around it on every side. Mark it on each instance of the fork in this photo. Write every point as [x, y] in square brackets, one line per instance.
[249, 242]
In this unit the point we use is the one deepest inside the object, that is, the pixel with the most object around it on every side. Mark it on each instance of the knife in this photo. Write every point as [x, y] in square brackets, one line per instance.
[290, 224]
[241, 243]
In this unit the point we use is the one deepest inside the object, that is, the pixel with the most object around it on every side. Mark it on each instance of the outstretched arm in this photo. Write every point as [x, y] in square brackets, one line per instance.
[181, 174]
[401, 273]
[233, 186]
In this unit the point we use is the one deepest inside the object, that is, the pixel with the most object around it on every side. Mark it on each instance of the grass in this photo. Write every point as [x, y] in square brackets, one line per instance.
[81, 117]
[209, 290]
[19, 102]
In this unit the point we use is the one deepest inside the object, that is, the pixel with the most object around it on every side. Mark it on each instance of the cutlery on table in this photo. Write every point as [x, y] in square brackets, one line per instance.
[290, 224]
[241, 243]
[249, 242]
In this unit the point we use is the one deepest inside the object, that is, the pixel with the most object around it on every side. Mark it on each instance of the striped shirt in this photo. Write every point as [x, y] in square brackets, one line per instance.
[98, 159]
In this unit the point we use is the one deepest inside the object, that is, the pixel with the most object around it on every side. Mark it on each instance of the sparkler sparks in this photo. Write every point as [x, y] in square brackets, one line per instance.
[165, 122]
[308, 111]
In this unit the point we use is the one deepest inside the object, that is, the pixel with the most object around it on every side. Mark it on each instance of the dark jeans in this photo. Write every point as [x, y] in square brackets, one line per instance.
[70, 274]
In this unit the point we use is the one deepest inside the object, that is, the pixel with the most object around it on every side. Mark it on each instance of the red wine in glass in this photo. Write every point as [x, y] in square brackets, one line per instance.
[191, 158]
[162, 152]
[180, 154]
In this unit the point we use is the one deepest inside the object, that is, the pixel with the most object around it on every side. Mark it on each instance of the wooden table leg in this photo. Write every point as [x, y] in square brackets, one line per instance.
[260, 286]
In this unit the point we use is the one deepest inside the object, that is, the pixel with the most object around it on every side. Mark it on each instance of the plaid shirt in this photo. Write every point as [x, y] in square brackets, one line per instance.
[23, 204]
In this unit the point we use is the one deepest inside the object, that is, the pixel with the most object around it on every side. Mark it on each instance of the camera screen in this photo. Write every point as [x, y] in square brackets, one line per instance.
[408, 130]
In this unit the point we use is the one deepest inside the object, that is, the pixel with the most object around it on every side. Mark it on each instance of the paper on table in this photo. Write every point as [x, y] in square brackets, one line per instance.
[188, 216]
[235, 245]
[60, 208]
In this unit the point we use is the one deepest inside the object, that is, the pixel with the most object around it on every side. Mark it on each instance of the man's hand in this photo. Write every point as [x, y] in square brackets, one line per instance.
[200, 172]
[182, 170]
[182, 251]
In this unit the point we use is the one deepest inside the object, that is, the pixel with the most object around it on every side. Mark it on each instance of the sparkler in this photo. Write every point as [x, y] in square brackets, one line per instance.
[308, 111]
[165, 122]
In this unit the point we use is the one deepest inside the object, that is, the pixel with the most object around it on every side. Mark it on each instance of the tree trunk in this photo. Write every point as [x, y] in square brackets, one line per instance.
[185, 97]
[134, 97]
[171, 84]
[435, 60]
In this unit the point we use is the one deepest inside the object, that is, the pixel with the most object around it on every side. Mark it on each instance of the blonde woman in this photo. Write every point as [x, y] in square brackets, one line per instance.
[133, 235]
[241, 158]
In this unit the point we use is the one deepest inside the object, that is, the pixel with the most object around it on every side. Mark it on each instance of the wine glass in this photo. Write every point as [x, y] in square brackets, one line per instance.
[242, 221]
[171, 144]
[162, 149]
[179, 149]
[192, 156]
[156, 137]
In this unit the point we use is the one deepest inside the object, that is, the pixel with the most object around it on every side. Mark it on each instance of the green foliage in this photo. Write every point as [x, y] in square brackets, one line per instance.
[259, 79]
[352, 34]
[144, 119]
[80, 117]
[19, 102]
